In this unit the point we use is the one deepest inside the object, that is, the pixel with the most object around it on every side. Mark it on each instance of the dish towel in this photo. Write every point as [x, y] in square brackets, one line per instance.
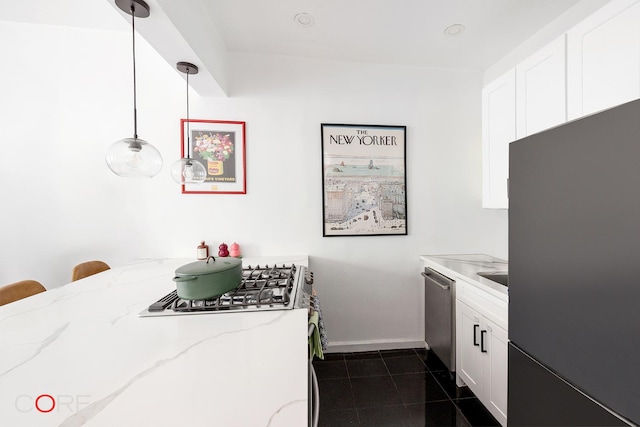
[315, 345]
[318, 339]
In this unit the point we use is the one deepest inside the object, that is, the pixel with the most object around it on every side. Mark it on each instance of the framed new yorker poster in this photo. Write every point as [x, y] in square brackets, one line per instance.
[363, 180]
[220, 147]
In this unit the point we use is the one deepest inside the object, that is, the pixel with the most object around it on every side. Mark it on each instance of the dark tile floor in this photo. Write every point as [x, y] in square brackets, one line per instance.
[394, 388]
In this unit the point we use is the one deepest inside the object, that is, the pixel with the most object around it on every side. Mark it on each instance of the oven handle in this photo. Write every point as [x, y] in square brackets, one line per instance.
[315, 396]
[314, 388]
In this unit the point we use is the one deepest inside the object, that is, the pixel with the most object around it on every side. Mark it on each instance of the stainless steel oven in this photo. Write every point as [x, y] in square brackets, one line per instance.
[314, 390]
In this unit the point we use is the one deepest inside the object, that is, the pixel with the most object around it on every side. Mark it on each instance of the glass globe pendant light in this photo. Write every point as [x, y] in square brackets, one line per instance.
[186, 170]
[134, 157]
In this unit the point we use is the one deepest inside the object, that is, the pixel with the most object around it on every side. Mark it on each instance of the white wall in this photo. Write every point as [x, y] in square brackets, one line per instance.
[69, 97]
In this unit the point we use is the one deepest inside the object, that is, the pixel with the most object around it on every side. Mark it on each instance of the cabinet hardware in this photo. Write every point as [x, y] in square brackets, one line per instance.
[482, 349]
[475, 338]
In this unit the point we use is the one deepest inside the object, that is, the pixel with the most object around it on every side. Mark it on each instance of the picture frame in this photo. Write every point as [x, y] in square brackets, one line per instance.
[363, 180]
[219, 146]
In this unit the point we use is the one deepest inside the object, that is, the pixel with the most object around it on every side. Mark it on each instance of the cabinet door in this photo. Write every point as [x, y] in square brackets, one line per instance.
[496, 370]
[541, 91]
[603, 61]
[469, 366]
[498, 130]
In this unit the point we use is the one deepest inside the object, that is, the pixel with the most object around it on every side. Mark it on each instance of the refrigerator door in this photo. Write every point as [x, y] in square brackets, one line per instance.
[574, 254]
[533, 387]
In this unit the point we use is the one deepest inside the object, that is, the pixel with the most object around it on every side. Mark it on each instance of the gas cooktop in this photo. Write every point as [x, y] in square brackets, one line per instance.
[262, 288]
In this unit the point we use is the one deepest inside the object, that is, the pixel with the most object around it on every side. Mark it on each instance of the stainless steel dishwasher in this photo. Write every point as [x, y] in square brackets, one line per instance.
[439, 316]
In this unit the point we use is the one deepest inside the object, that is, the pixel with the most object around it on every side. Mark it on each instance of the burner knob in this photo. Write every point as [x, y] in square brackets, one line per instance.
[308, 278]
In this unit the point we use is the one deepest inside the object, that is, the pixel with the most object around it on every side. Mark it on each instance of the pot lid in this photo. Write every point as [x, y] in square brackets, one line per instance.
[209, 266]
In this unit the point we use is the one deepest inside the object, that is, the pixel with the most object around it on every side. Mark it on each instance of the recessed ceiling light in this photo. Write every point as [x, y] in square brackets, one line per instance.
[454, 30]
[304, 19]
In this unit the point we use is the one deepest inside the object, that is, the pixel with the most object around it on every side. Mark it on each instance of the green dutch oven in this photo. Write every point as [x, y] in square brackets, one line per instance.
[208, 279]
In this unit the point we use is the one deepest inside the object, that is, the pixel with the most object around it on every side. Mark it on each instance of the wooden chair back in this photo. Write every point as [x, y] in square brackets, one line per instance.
[87, 269]
[17, 291]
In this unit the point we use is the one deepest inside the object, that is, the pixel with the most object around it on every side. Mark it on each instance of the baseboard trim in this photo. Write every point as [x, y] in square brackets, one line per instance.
[372, 345]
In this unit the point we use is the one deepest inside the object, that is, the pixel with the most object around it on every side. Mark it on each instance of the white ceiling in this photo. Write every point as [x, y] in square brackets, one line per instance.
[384, 31]
[73, 13]
[409, 32]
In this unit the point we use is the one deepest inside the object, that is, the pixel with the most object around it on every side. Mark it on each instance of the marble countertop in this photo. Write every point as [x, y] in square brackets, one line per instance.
[467, 267]
[81, 355]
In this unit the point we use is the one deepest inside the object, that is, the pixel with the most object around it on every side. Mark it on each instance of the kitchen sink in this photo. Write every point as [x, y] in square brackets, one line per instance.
[501, 277]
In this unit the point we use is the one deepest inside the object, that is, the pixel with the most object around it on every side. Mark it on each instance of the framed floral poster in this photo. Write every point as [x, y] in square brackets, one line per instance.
[363, 180]
[220, 147]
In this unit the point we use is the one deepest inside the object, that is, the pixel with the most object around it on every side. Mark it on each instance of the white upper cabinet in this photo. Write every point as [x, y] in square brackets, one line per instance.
[592, 67]
[541, 101]
[603, 59]
[498, 130]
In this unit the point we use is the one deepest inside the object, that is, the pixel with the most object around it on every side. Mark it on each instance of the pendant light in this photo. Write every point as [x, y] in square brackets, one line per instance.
[187, 170]
[134, 157]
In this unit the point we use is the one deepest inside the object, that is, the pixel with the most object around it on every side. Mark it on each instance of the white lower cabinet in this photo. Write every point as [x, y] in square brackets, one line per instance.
[496, 371]
[470, 366]
[482, 358]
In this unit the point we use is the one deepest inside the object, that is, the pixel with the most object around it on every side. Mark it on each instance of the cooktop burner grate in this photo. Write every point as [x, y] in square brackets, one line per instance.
[261, 287]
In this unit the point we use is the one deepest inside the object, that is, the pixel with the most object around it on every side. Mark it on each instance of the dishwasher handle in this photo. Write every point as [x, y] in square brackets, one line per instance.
[428, 277]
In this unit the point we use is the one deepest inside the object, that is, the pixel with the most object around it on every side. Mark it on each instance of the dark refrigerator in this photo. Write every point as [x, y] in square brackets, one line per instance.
[574, 273]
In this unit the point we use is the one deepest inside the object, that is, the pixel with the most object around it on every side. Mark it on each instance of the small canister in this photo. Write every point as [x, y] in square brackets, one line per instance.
[235, 250]
[223, 250]
[203, 250]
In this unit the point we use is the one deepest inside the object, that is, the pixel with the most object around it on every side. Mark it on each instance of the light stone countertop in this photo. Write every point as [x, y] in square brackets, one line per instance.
[467, 267]
[84, 347]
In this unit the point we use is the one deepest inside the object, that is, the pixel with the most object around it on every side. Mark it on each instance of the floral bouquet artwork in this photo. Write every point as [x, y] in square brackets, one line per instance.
[215, 148]
[220, 146]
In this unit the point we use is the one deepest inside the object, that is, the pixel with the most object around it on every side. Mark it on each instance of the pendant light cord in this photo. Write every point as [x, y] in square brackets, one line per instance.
[188, 123]
[133, 36]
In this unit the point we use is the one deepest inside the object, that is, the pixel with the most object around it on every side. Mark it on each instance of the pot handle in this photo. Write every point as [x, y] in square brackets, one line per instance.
[184, 278]
[211, 257]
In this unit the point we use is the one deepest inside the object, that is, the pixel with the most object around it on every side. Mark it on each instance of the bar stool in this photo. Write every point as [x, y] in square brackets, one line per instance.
[19, 290]
[87, 269]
